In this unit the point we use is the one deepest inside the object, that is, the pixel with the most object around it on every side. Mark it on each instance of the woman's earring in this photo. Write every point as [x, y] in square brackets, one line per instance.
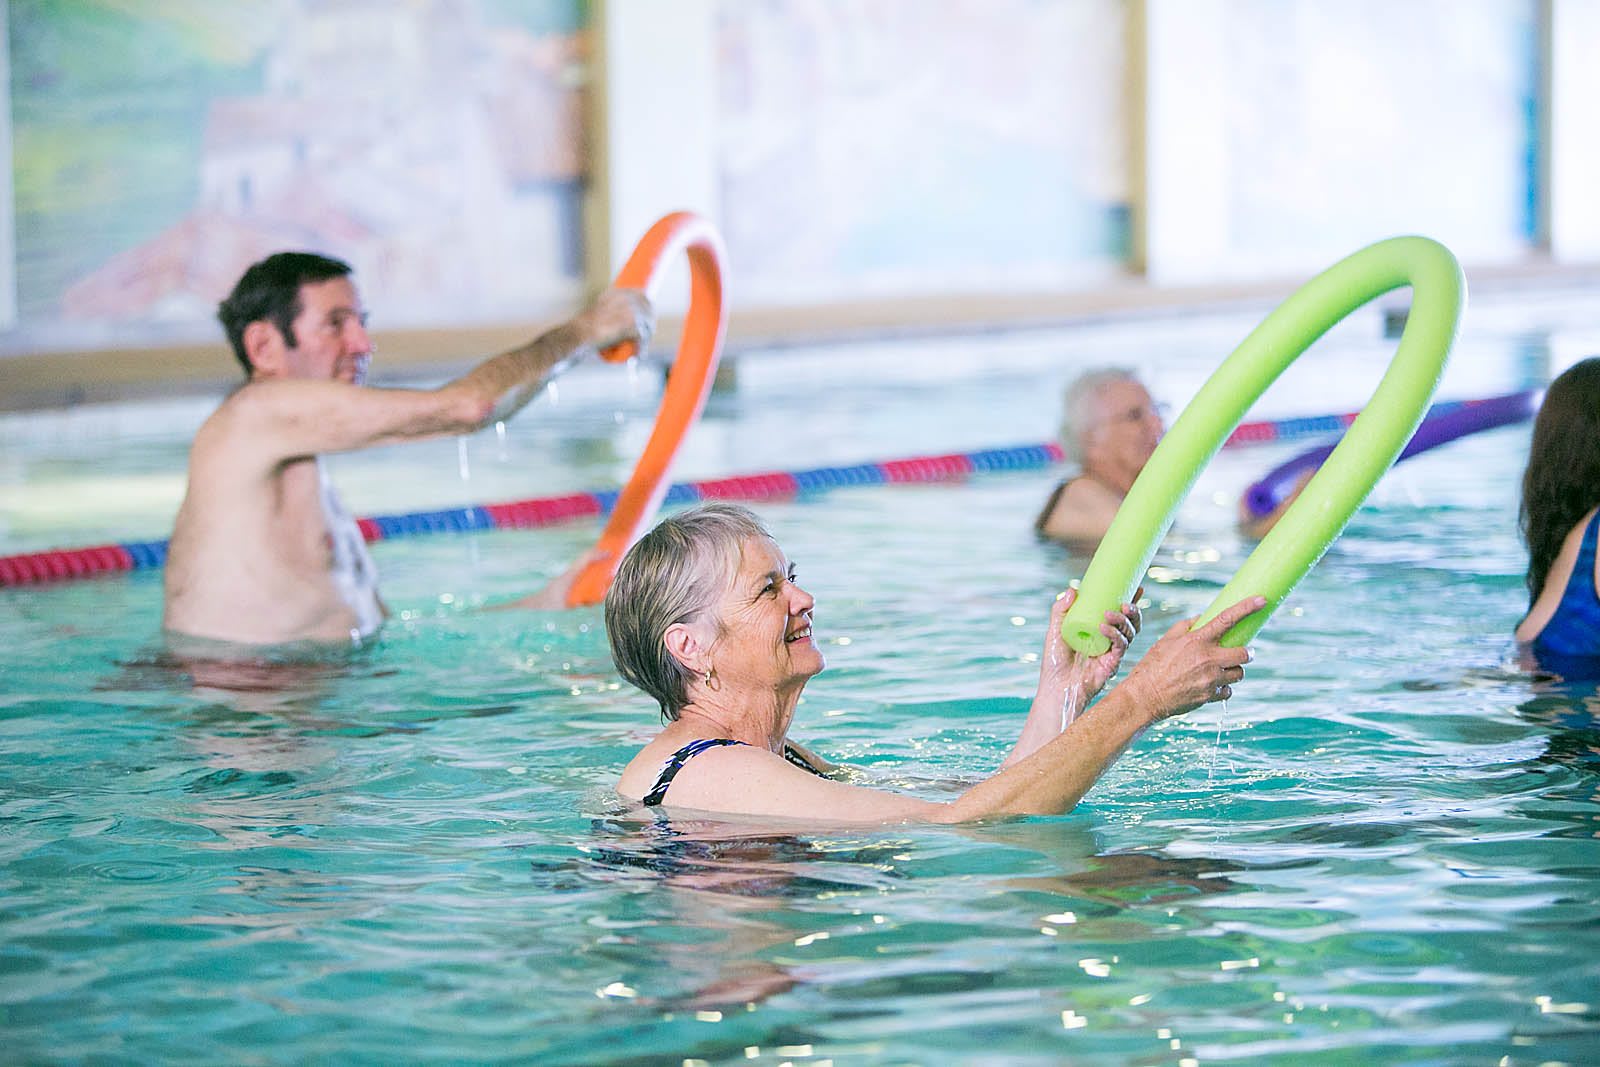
[711, 676]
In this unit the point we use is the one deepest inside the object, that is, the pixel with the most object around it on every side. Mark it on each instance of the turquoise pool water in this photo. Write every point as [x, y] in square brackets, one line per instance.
[1383, 850]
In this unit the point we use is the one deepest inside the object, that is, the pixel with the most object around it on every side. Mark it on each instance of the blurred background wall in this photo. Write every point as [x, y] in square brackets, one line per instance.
[484, 163]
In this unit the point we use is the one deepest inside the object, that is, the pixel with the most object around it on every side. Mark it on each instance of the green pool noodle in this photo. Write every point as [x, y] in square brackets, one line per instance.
[1372, 444]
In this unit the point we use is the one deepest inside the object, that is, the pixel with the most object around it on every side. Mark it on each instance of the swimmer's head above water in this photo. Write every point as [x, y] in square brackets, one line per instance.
[297, 314]
[707, 616]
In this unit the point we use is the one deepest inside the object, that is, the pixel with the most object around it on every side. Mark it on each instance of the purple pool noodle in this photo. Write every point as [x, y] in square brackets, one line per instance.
[1442, 425]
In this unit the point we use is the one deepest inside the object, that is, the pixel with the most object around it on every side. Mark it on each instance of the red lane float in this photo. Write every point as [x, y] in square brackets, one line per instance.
[688, 385]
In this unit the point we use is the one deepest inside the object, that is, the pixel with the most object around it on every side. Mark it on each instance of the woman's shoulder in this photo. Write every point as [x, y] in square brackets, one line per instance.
[1556, 580]
[1571, 548]
[1080, 510]
[658, 763]
[642, 772]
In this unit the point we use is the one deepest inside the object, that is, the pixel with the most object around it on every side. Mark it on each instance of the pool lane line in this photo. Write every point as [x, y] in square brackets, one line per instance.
[63, 563]
[1443, 424]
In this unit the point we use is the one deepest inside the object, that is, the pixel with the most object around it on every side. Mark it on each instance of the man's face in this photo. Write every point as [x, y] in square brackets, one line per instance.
[331, 342]
[1127, 426]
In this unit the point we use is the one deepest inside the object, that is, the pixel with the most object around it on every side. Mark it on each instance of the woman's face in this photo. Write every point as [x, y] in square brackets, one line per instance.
[1127, 427]
[766, 623]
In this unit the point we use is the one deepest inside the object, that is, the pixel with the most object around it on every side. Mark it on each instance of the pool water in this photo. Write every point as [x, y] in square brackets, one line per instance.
[1383, 850]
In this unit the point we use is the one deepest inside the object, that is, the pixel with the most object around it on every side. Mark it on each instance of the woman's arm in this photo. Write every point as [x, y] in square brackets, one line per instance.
[1182, 671]
[1068, 681]
[1555, 583]
[1256, 526]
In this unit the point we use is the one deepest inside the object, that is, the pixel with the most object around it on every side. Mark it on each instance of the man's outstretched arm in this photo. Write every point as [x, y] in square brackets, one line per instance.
[290, 418]
[498, 388]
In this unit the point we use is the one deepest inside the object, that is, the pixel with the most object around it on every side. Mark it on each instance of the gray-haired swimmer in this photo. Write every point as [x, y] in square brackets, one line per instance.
[706, 615]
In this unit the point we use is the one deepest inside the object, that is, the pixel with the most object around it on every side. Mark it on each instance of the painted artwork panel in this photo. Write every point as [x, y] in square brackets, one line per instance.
[901, 147]
[436, 145]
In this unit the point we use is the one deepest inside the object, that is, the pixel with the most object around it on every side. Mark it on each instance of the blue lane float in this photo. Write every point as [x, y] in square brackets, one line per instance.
[62, 563]
[1444, 423]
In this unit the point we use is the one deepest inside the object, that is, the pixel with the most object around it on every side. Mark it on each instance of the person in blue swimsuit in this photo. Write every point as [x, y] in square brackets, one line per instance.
[1558, 519]
[706, 617]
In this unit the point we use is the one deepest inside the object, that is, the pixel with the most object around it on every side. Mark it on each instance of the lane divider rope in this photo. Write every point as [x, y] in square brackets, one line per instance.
[62, 563]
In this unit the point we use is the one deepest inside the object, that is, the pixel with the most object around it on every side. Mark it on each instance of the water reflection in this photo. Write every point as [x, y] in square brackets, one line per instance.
[282, 679]
[726, 883]
[725, 899]
[1570, 712]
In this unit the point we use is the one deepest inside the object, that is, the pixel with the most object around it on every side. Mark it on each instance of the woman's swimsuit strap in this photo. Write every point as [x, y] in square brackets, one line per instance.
[1043, 520]
[675, 762]
[1574, 630]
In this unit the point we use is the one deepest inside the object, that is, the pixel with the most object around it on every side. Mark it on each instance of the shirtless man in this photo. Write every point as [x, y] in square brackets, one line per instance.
[262, 552]
[1109, 428]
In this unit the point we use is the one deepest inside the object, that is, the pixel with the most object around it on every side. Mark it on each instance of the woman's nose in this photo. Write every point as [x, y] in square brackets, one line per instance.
[800, 601]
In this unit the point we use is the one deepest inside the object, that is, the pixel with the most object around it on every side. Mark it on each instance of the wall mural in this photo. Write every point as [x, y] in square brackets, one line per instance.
[900, 146]
[863, 149]
[158, 149]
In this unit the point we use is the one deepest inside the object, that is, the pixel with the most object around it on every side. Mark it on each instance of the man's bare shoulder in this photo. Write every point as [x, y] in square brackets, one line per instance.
[240, 434]
[258, 401]
[231, 469]
[229, 416]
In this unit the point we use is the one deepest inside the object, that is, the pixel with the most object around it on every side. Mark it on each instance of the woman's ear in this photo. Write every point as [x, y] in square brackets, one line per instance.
[683, 643]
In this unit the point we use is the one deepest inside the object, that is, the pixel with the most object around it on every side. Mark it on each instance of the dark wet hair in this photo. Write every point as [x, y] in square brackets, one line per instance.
[1562, 482]
[270, 291]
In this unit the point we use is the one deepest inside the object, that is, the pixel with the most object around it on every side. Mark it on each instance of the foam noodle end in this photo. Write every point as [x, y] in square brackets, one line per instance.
[1090, 642]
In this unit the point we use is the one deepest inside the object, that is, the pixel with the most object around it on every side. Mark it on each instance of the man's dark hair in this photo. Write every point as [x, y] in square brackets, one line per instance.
[270, 291]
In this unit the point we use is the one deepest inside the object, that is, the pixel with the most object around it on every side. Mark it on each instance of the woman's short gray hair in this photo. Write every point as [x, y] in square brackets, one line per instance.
[1077, 407]
[673, 574]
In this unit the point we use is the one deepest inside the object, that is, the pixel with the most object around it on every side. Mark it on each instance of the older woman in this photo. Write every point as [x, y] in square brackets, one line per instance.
[705, 616]
[1109, 427]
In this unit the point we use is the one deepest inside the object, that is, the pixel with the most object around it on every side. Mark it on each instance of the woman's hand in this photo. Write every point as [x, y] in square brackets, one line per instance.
[1068, 680]
[1186, 669]
[1071, 671]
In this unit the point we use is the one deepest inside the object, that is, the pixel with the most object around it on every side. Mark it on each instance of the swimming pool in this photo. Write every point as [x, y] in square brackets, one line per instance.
[1383, 850]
